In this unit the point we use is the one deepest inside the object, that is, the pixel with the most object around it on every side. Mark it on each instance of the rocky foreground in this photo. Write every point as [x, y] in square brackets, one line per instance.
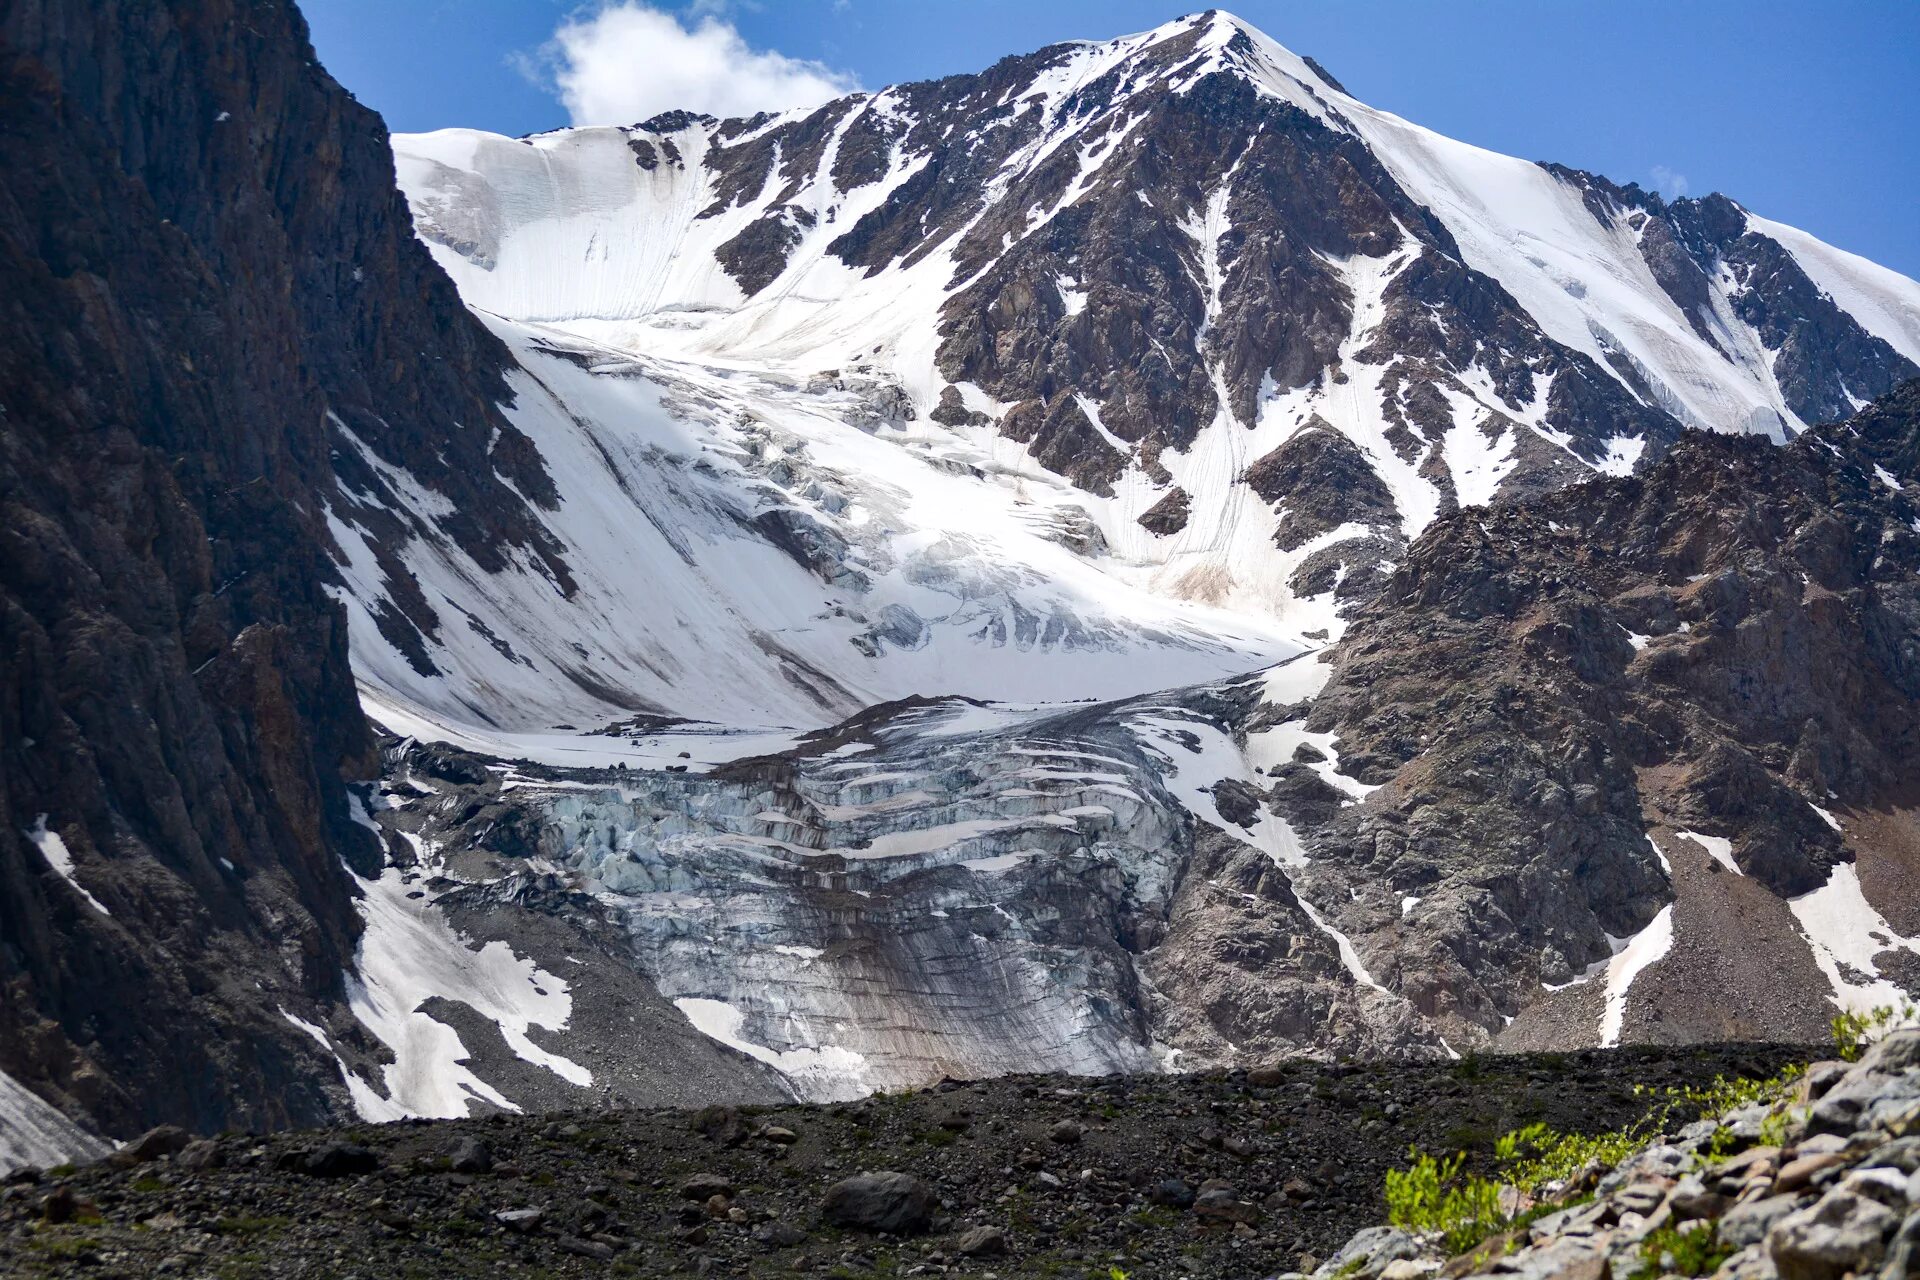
[1232, 1174]
[1820, 1184]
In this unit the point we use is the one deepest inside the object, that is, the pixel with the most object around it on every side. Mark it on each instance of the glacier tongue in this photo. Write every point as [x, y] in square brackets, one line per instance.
[935, 887]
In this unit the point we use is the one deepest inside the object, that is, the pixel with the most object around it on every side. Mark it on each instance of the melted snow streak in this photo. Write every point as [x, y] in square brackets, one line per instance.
[32, 1132]
[1632, 957]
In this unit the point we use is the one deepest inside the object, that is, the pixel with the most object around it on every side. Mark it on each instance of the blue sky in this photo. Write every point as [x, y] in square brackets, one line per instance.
[1808, 113]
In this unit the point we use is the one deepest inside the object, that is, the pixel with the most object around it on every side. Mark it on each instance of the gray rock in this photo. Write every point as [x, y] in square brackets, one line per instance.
[338, 1160]
[982, 1242]
[154, 1144]
[1842, 1233]
[1569, 1258]
[1898, 1052]
[201, 1153]
[1067, 1132]
[1887, 1186]
[778, 1235]
[1173, 1193]
[1903, 1255]
[1747, 1224]
[1367, 1253]
[520, 1221]
[722, 1125]
[1902, 1154]
[470, 1155]
[897, 1203]
[1822, 1076]
[586, 1248]
[704, 1186]
[1220, 1204]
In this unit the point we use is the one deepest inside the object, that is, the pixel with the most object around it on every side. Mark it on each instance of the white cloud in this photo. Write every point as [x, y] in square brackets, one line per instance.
[628, 62]
[1668, 183]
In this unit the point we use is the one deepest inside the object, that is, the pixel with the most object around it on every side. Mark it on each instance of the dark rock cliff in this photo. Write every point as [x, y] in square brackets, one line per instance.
[214, 313]
[1550, 691]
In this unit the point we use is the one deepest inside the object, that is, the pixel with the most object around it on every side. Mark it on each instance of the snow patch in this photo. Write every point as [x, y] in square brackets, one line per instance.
[828, 1073]
[1720, 849]
[60, 858]
[35, 1132]
[1633, 956]
[408, 955]
[1846, 934]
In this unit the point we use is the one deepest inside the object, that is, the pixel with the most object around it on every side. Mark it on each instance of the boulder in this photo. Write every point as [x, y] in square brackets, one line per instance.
[155, 1144]
[470, 1155]
[1173, 1193]
[778, 1235]
[520, 1221]
[1370, 1252]
[704, 1186]
[338, 1160]
[721, 1125]
[1222, 1205]
[201, 1153]
[1844, 1233]
[896, 1203]
[982, 1242]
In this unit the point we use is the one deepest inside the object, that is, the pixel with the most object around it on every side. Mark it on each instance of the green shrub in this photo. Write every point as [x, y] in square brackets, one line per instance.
[1438, 1196]
[1853, 1032]
[1435, 1196]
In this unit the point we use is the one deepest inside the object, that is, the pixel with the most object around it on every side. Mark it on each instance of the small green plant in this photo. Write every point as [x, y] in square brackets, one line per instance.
[1674, 1251]
[1853, 1032]
[65, 1247]
[1435, 1195]
[939, 1137]
[1115, 1273]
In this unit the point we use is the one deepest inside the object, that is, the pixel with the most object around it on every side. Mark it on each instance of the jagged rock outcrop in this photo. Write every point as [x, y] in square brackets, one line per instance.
[1567, 705]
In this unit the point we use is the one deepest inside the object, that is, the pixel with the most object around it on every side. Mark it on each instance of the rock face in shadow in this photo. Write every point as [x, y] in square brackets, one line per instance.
[219, 330]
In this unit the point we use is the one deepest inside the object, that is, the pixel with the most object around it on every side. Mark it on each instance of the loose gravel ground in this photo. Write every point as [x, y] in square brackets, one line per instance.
[1239, 1174]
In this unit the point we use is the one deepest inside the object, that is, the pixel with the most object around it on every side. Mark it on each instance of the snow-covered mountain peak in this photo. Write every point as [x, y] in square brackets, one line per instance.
[1158, 341]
